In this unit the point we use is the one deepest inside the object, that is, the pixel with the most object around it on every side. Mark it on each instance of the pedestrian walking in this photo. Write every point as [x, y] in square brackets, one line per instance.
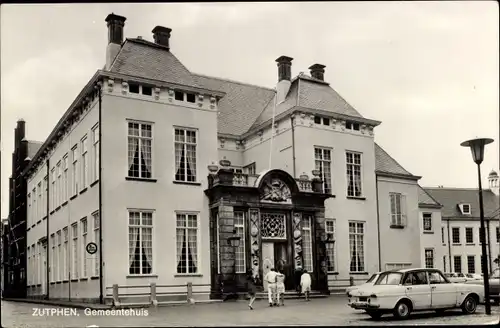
[271, 286]
[280, 287]
[305, 284]
[251, 288]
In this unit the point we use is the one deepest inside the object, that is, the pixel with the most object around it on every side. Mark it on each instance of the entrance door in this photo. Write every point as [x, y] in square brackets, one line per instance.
[267, 260]
[282, 263]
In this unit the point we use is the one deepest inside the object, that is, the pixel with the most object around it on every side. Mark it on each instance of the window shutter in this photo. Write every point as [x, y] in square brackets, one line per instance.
[403, 210]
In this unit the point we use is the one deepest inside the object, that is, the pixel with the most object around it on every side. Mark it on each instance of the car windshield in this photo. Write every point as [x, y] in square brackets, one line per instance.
[372, 278]
[469, 275]
[389, 278]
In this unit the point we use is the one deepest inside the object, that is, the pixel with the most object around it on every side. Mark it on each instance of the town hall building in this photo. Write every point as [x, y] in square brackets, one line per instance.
[162, 169]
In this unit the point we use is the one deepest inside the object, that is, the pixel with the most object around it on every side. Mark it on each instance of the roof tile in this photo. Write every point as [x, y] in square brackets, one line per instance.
[385, 163]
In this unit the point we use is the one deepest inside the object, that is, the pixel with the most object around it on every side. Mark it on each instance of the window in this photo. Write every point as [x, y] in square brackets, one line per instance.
[250, 169]
[352, 126]
[353, 161]
[52, 257]
[357, 246]
[442, 235]
[427, 217]
[185, 155]
[457, 264]
[95, 151]
[40, 201]
[83, 228]
[307, 250]
[190, 97]
[29, 264]
[133, 88]
[74, 247]
[389, 278]
[45, 194]
[179, 95]
[30, 214]
[330, 246]
[53, 195]
[323, 163]
[85, 163]
[239, 225]
[416, 278]
[326, 121]
[60, 258]
[471, 264]
[398, 209]
[444, 263]
[429, 258]
[59, 184]
[465, 208]
[436, 278]
[147, 91]
[96, 240]
[35, 208]
[455, 235]
[65, 178]
[317, 119]
[140, 241]
[74, 171]
[187, 243]
[469, 235]
[140, 140]
[65, 265]
[498, 234]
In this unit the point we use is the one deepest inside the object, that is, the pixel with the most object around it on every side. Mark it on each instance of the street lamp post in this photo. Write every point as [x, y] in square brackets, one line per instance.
[234, 241]
[477, 148]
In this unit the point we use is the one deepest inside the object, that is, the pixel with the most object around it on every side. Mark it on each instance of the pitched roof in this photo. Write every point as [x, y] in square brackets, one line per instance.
[424, 199]
[384, 163]
[451, 197]
[241, 105]
[146, 59]
[33, 147]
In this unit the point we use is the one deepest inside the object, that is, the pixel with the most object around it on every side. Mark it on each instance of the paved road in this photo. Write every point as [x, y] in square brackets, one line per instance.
[332, 311]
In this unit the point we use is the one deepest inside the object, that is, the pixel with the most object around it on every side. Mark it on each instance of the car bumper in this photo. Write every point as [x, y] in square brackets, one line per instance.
[364, 306]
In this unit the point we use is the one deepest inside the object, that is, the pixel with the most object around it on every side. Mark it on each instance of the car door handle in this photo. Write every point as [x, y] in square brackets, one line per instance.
[408, 288]
[433, 287]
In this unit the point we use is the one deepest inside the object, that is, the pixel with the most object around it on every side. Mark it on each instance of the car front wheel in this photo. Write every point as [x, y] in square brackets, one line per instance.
[402, 310]
[469, 305]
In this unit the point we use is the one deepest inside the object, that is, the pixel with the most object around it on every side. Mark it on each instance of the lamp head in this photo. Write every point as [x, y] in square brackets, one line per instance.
[477, 148]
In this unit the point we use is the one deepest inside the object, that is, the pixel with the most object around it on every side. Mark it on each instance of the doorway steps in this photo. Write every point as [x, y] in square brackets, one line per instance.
[290, 295]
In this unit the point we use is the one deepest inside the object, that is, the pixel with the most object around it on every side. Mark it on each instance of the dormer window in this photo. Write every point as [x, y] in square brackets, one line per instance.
[319, 120]
[352, 126]
[190, 97]
[184, 96]
[465, 209]
[179, 95]
[140, 89]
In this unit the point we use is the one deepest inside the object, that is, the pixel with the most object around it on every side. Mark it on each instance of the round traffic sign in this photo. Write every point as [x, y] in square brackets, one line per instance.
[91, 248]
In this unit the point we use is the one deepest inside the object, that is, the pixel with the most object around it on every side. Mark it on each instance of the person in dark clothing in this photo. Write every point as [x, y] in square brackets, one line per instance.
[251, 288]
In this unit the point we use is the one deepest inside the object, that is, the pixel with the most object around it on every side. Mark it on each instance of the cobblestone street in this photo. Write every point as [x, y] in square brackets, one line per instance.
[330, 311]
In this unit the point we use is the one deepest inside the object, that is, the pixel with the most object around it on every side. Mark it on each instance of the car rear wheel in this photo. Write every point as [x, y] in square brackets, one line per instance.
[469, 305]
[374, 314]
[402, 309]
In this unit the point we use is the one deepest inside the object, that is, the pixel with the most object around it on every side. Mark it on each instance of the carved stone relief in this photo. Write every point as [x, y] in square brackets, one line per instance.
[255, 241]
[297, 240]
[275, 190]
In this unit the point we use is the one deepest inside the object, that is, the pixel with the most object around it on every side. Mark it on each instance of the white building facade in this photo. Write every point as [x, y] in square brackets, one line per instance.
[136, 165]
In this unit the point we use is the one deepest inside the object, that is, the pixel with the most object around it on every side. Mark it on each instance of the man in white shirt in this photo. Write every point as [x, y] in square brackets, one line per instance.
[305, 284]
[271, 286]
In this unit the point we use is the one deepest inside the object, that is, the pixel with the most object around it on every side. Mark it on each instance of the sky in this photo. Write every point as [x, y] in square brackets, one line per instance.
[428, 70]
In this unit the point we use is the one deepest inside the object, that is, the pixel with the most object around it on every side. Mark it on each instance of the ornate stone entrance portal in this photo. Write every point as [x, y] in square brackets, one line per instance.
[283, 228]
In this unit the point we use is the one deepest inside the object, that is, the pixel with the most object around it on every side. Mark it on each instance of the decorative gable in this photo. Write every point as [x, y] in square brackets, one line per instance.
[465, 208]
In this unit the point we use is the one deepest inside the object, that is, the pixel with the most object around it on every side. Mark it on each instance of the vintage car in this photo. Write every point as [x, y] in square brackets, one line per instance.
[369, 282]
[407, 290]
[455, 277]
[494, 282]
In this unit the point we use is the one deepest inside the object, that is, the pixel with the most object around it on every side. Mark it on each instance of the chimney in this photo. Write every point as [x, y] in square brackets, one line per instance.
[284, 77]
[115, 37]
[318, 71]
[161, 35]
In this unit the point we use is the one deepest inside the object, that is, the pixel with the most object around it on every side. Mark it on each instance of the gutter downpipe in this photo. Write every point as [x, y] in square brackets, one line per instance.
[101, 291]
[488, 242]
[292, 121]
[47, 280]
[378, 226]
[449, 244]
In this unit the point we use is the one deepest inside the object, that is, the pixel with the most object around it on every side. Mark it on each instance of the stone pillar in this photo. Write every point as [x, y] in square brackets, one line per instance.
[255, 242]
[226, 251]
[320, 236]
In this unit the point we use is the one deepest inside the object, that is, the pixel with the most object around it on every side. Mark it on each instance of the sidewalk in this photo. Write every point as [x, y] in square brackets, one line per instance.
[77, 305]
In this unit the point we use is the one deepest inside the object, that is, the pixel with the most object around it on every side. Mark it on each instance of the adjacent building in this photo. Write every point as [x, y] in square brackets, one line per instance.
[161, 168]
